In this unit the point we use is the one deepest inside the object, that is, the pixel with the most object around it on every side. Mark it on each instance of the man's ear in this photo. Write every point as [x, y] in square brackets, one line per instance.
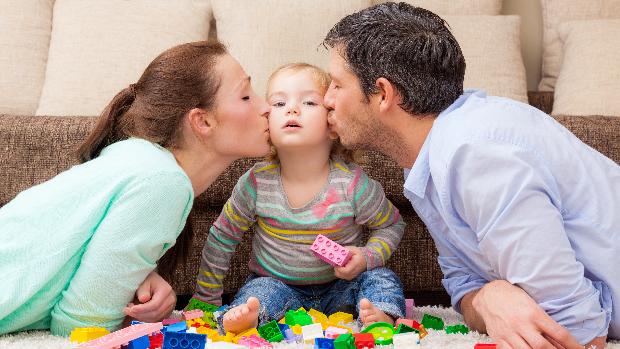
[388, 94]
[201, 121]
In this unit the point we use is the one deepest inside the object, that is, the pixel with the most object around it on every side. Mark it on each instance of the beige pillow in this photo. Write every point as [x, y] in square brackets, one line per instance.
[556, 12]
[25, 27]
[99, 47]
[589, 81]
[457, 7]
[265, 34]
[492, 51]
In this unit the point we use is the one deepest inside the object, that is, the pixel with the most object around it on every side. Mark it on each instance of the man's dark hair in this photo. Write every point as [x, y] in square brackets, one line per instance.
[411, 47]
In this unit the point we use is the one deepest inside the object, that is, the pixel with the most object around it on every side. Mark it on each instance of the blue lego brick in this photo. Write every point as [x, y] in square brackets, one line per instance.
[323, 343]
[178, 340]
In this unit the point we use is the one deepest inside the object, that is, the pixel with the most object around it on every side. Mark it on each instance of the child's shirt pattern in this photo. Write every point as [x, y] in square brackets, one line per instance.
[283, 234]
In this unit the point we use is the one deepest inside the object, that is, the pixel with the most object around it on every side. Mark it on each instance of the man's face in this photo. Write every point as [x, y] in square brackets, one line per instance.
[351, 115]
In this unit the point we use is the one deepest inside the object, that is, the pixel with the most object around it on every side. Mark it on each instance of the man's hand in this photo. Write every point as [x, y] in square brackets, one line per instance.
[156, 298]
[513, 319]
[355, 266]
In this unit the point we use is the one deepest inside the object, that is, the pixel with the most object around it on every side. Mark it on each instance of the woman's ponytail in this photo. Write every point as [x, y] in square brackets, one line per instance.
[105, 131]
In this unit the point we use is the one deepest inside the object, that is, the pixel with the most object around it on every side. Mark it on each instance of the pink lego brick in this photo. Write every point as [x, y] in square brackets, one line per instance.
[167, 322]
[193, 314]
[330, 251]
[409, 304]
[122, 337]
[254, 341]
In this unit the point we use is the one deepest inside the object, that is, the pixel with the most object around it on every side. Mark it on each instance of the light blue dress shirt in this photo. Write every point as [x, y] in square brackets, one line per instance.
[509, 193]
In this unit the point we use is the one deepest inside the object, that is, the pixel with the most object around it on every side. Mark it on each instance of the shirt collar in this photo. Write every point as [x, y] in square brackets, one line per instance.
[416, 178]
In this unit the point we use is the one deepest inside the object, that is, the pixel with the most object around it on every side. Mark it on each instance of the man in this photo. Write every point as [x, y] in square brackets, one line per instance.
[524, 215]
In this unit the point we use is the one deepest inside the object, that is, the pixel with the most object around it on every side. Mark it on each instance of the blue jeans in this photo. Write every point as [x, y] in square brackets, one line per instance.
[380, 286]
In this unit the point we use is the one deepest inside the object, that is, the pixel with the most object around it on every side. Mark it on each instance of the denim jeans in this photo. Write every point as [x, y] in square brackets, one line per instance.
[380, 286]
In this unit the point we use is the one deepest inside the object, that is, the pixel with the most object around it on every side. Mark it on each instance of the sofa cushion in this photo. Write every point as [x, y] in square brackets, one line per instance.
[100, 47]
[457, 7]
[264, 35]
[25, 26]
[556, 12]
[492, 51]
[589, 81]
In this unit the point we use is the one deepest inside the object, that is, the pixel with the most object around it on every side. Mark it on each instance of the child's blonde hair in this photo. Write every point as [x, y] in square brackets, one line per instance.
[322, 79]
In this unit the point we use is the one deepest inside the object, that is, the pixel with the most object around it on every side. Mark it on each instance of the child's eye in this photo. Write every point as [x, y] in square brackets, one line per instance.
[278, 104]
[311, 103]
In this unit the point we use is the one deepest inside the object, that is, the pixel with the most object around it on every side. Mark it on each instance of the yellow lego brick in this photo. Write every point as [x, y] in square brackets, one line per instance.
[203, 330]
[296, 329]
[85, 334]
[246, 333]
[282, 321]
[340, 318]
[318, 316]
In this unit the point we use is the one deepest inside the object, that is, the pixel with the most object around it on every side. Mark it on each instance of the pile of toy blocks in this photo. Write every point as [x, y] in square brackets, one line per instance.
[198, 327]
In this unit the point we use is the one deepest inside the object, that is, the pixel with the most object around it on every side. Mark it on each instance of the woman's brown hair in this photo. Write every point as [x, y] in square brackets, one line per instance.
[176, 81]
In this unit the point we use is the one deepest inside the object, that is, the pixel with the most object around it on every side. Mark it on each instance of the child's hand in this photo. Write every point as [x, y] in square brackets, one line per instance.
[157, 300]
[354, 267]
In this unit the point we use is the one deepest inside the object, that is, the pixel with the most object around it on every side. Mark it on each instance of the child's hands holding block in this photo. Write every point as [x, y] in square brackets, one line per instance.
[348, 262]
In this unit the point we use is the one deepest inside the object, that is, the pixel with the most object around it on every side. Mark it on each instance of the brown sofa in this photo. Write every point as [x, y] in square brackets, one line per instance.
[34, 149]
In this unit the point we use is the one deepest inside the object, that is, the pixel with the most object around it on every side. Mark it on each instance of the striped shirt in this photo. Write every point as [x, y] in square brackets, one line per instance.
[283, 235]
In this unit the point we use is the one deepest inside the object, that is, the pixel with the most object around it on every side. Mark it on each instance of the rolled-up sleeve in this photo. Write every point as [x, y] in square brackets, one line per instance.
[507, 197]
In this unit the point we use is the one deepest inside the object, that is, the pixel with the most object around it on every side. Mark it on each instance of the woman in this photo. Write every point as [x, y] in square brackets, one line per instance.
[76, 248]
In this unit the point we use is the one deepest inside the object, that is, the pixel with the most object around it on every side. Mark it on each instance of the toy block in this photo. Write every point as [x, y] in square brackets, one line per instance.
[246, 333]
[209, 319]
[177, 327]
[271, 332]
[297, 317]
[312, 331]
[339, 318]
[344, 341]
[177, 340]
[193, 314]
[381, 331]
[85, 334]
[364, 340]
[406, 340]
[333, 332]
[121, 337]
[420, 328]
[330, 251]
[485, 346]
[409, 305]
[198, 304]
[139, 343]
[402, 328]
[319, 317]
[192, 330]
[323, 343]
[283, 327]
[296, 329]
[254, 341]
[156, 340]
[459, 328]
[167, 322]
[430, 321]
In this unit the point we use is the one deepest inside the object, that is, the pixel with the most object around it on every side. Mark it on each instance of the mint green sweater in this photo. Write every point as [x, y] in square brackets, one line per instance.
[74, 249]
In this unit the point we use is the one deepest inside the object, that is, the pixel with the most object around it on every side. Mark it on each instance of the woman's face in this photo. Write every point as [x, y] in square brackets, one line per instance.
[242, 129]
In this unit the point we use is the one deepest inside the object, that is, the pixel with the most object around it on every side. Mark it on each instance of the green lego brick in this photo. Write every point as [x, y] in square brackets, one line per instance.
[344, 341]
[460, 328]
[209, 319]
[297, 317]
[198, 304]
[402, 328]
[271, 332]
[430, 321]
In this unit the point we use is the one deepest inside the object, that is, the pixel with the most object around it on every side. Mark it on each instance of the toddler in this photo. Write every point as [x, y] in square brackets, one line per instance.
[307, 187]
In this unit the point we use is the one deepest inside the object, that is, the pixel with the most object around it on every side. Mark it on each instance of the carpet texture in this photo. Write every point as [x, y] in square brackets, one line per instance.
[434, 340]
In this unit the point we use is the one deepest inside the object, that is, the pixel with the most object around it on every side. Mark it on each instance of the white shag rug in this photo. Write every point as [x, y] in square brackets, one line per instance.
[434, 340]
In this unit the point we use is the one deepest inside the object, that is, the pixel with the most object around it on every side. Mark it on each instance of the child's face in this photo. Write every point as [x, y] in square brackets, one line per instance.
[298, 117]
